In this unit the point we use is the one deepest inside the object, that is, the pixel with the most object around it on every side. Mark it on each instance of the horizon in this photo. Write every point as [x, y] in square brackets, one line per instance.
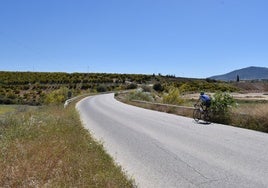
[190, 39]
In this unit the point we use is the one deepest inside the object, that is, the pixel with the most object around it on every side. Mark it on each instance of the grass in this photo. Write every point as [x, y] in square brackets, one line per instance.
[48, 147]
[251, 115]
[4, 109]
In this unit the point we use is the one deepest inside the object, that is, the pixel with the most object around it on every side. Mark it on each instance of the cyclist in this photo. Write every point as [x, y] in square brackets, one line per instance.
[205, 101]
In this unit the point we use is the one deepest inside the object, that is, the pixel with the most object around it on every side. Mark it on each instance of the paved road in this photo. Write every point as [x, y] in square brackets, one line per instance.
[164, 150]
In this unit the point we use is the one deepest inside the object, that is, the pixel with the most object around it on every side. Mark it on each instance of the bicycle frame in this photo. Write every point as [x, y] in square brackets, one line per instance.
[200, 114]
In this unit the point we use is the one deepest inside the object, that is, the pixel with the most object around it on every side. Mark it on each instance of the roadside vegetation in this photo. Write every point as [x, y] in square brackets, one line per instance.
[250, 114]
[5, 109]
[48, 147]
[221, 106]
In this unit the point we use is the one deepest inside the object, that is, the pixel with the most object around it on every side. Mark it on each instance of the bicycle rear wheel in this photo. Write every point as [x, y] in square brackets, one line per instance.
[197, 115]
[207, 117]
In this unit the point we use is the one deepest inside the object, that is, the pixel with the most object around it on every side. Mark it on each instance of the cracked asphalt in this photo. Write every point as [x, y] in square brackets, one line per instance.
[164, 150]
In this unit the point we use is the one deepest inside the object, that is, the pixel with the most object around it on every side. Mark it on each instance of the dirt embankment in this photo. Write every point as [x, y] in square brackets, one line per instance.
[248, 91]
[251, 90]
[252, 87]
[250, 96]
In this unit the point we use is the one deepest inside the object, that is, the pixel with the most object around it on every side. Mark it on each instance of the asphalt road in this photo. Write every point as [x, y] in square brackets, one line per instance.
[164, 150]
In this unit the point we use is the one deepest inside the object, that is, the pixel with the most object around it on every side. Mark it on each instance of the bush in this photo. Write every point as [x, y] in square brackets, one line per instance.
[57, 96]
[220, 105]
[158, 87]
[173, 97]
[146, 88]
[132, 86]
[139, 95]
[101, 88]
[5, 100]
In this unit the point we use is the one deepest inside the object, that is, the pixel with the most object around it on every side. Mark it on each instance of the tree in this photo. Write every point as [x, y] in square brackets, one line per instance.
[158, 87]
[237, 78]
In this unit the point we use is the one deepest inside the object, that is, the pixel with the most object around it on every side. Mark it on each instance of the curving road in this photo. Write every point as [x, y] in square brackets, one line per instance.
[164, 150]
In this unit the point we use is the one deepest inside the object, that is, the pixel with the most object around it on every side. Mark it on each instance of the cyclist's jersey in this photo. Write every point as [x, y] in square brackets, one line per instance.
[205, 98]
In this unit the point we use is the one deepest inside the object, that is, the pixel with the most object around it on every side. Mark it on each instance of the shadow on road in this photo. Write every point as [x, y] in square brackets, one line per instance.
[203, 122]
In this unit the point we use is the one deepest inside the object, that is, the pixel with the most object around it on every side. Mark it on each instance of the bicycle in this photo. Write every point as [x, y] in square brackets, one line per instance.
[200, 114]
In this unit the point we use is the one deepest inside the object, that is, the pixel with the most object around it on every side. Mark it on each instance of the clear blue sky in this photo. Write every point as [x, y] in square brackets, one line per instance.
[189, 38]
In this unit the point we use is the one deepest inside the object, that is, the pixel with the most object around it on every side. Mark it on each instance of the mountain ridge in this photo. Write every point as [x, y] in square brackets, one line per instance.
[248, 73]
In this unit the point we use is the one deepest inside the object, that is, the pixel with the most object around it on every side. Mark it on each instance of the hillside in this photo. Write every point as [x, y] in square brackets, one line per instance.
[249, 73]
[34, 87]
[37, 88]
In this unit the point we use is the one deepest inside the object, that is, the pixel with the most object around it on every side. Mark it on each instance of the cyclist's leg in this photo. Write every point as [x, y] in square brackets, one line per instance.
[207, 116]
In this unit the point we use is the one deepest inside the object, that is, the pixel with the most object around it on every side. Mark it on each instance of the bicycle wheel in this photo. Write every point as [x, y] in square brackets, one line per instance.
[207, 117]
[197, 114]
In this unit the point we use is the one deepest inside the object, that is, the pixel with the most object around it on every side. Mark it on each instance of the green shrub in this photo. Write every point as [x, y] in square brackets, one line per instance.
[57, 96]
[101, 88]
[185, 88]
[4, 100]
[132, 86]
[173, 97]
[220, 105]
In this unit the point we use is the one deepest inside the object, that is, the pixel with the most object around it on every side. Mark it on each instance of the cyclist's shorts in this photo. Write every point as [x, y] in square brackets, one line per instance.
[207, 103]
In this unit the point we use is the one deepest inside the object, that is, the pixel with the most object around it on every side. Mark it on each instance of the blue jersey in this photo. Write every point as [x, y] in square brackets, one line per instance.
[205, 98]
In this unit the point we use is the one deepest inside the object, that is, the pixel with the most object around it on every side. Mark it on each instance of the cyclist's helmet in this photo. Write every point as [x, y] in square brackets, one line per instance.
[202, 93]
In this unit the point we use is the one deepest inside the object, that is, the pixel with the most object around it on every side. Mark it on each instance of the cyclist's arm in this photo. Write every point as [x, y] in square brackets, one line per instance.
[199, 101]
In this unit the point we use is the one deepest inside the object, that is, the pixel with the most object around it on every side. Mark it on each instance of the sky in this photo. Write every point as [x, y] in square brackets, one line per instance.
[186, 38]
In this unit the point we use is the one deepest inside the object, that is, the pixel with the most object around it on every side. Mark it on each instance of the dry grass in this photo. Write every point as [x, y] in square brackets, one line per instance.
[252, 116]
[5, 109]
[162, 108]
[48, 147]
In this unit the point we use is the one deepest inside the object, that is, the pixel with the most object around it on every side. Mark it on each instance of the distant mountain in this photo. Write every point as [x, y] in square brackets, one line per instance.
[249, 73]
